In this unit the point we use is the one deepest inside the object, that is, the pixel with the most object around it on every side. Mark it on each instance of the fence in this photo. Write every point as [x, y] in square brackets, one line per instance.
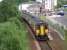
[60, 28]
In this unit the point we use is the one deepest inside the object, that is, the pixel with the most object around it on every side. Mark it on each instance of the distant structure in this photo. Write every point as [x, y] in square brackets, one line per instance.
[39, 1]
[48, 4]
[24, 7]
[65, 6]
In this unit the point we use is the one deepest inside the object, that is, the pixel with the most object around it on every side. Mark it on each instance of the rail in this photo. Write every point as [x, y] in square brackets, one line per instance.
[39, 44]
[45, 45]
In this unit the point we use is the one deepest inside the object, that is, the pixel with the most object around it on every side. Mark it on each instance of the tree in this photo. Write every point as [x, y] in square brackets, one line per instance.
[21, 1]
[61, 3]
[8, 8]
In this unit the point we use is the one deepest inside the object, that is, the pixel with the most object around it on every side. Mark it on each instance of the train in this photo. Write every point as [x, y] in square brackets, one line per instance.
[39, 27]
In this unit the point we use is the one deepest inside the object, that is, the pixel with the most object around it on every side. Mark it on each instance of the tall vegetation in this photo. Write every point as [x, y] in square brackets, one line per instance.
[13, 35]
[8, 9]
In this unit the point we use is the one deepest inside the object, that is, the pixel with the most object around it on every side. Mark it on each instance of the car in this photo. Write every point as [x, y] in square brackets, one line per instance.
[61, 13]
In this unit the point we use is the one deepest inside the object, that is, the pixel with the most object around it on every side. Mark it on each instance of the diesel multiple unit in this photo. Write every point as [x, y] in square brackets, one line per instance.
[39, 27]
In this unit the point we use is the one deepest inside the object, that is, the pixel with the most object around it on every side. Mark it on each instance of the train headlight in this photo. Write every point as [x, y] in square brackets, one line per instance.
[37, 32]
[46, 30]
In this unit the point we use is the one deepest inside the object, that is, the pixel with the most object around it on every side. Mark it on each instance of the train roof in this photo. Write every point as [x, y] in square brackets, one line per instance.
[36, 19]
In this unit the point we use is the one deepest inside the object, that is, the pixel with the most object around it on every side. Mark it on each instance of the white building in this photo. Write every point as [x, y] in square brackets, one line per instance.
[39, 1]
[49, 4]
[24, 7]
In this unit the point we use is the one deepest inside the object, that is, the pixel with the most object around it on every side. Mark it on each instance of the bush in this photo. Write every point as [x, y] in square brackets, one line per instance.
[13, 35]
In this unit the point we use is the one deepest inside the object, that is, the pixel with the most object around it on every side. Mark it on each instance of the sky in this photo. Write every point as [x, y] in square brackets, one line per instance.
[0, 0]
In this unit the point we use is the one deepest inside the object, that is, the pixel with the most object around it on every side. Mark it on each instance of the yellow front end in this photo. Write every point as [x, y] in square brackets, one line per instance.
[41, 30]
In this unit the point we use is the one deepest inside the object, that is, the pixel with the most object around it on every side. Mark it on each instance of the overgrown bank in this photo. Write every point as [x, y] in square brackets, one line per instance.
[13, 35]
[65, 41]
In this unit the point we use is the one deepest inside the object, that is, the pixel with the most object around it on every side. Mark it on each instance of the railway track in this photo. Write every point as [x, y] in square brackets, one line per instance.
[45, 45]
[40, 45]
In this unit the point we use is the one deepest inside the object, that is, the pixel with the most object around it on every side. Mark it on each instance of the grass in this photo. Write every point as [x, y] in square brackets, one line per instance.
[65, 9]
[65, 42]
[13, 35]
[66, 34]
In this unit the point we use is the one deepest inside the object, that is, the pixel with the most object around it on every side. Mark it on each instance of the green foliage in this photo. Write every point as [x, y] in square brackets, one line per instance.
[61, 3]
[66, 34]
[65, 9]
[65, 42]
[8, 9]
[21, 1]
[13, 35]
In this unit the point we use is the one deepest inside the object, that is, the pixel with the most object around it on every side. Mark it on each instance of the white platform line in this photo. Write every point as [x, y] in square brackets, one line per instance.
[63, 38]
[50, 37]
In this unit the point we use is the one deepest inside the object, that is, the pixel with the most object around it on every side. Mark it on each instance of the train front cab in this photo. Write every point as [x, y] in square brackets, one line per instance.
[41, 31]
